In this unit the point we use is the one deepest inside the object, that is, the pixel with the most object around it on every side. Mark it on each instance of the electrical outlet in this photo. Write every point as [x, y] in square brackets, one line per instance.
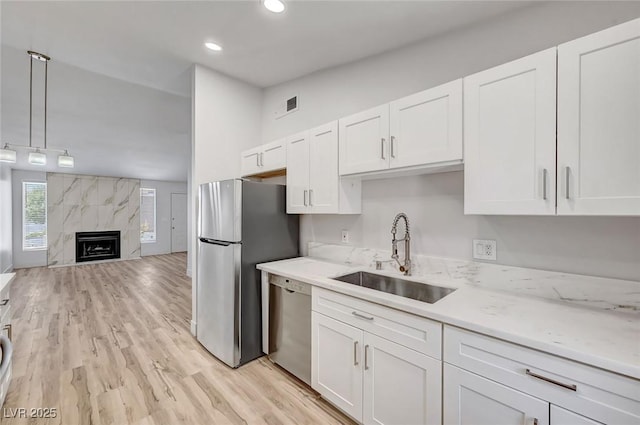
[345, 236]
[485, 249]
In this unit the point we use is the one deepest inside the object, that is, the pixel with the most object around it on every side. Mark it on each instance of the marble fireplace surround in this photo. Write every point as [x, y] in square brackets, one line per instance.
[82, 203]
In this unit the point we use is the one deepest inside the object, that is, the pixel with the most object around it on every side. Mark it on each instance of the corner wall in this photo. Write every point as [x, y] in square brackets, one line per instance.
[226, 114]
[6, 220]
[603, 246]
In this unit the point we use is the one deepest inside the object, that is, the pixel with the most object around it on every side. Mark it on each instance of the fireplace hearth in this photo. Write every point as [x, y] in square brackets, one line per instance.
[93, 246]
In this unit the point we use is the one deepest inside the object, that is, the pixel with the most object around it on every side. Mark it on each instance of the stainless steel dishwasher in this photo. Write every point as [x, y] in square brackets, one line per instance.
[290, 326]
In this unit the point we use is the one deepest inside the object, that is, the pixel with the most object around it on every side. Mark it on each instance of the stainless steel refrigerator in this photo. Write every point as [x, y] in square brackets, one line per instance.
[240, 224]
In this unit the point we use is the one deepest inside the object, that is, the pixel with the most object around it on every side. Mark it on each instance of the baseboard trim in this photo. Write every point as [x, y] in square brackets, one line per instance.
[9, 269]
[193, 328]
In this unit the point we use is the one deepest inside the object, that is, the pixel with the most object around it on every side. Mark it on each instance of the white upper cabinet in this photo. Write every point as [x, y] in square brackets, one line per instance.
[264, 159]
[298, 173]
[510, 137]
[426, 127]
[364, 141]
[599, 123]
[313, 183]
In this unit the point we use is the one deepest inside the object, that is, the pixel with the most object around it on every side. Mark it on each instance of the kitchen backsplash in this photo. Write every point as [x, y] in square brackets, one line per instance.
[594, 292]
[81, 203]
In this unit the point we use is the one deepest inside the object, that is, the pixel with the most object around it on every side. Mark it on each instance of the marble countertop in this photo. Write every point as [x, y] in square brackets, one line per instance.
[600, 337]
[5, 279]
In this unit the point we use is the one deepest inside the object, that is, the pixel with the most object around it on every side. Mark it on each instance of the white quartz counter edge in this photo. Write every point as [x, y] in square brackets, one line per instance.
[606, 340]
[5, 279]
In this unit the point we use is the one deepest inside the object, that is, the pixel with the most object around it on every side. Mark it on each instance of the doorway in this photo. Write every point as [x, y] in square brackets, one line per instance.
[178, 222]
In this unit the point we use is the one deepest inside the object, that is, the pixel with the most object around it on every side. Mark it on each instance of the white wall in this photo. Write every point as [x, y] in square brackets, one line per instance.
[226, 114]
[21, 258]
[600, 246]
[6, 231]
[162, 245]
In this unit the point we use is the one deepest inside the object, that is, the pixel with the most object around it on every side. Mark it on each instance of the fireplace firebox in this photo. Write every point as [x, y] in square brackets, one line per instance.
[93, 246]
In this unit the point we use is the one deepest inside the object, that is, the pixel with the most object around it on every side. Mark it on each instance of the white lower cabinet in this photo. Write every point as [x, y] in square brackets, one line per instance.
[470, 399]
[401, 386]
[336, 370]
[372, 379]
[560, 416]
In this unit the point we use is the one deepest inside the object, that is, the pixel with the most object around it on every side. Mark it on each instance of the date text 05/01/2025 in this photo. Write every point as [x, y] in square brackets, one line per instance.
[35, 412]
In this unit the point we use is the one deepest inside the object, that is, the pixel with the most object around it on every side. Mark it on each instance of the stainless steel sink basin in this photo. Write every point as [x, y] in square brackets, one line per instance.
[391, 285]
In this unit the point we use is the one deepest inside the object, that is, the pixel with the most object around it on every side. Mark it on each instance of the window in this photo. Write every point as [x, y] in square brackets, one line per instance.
[34, 215]
[147, 215]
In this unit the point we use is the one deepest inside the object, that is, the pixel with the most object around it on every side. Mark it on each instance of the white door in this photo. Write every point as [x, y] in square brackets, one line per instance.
[427, 127]
[250, 161]
[470, 399]
[599, 123]
[274, 156]
[178, 222]
[510, 137]
[323, 169]
[298, 173]
[336, 363]
[401, 386]
[561, 416]
[364, 141]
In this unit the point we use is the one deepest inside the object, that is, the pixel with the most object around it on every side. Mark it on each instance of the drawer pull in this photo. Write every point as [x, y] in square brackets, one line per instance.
[571, 387]
[355, 353]
[362, 316]
[4, 302]
[9, 330]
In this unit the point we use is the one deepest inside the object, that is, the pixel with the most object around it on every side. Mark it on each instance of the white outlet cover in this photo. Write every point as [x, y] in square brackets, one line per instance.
[485, 249]
[345, 236]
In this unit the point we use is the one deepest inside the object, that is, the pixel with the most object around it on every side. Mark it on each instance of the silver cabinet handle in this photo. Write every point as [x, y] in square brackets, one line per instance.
[355, 353]
[366, 351]
[382, 148]
[362, 316]
[393, 141]
[571, 387]
[544, 184]
[567, 173]
[311, 197]
[9, 330]
[305, 198]
[4, 302]
[262, 159]
[257, 160]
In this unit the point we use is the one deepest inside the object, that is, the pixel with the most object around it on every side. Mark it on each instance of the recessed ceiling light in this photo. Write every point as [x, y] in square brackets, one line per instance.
[213, 46]
[275, 6]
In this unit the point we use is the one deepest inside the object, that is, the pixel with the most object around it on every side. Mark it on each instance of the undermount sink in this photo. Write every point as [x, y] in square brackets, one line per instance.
[392, 285]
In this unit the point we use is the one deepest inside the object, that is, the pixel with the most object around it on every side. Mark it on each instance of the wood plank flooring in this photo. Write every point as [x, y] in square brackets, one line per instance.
[110, 344]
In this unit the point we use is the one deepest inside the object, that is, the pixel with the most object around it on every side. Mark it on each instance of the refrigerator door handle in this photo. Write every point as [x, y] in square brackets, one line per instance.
[215, 242]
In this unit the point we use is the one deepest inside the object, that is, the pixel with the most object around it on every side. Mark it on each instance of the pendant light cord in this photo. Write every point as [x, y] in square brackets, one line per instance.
[30, 99]
[46, 67]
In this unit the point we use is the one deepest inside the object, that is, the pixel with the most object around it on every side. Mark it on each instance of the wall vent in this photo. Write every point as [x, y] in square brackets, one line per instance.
[286, 107]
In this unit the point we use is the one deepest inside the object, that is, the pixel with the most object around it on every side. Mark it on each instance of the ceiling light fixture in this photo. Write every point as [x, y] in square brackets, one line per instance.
[213, 46]
[275, 6]
[36, 157]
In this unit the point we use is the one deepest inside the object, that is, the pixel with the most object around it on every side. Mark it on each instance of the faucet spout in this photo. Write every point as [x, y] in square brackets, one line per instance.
[405, 266]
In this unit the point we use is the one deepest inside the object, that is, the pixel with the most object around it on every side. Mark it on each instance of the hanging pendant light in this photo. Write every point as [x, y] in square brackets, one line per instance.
[37, 157]
[7, 154]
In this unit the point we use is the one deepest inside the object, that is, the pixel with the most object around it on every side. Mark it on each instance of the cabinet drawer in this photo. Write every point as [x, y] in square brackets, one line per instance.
[597, 394]
[411, 331]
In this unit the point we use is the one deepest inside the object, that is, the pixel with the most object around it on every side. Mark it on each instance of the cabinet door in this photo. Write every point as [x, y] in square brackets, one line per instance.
[336, 363]
[510, 137]
[364, 141]
[323, 169]
[561, 416]
[401, 386]
[427, 126]
[250, 161]
[598, 123]
[274, 156]
[298, 173]
[470, 399]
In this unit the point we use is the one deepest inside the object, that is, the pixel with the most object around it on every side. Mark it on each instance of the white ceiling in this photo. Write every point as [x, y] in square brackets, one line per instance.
[120, 79]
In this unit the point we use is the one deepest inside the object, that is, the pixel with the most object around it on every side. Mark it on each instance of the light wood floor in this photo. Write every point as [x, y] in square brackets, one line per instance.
[110, 344]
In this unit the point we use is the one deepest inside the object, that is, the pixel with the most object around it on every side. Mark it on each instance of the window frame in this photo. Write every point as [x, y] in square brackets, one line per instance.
[155, 215]
[24, 217]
